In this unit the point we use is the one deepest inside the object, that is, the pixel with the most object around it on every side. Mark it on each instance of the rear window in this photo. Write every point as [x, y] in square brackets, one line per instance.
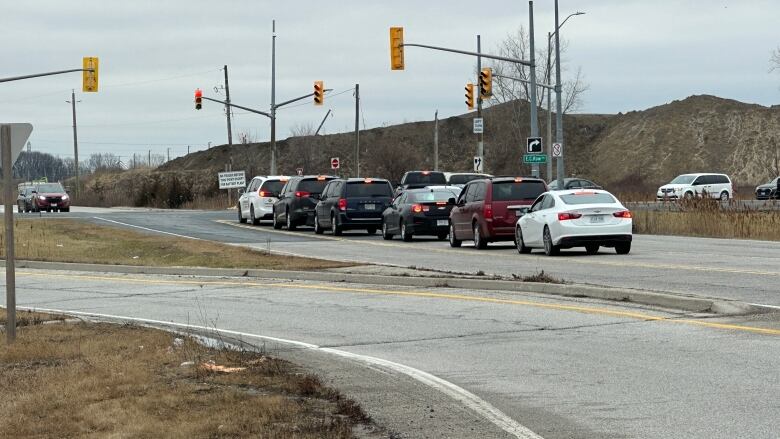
[429, 179]
[375, 189]
[463, 179]
[312, 186]
[588, 198]
[517, 190]
[272, 186]
[426, 197]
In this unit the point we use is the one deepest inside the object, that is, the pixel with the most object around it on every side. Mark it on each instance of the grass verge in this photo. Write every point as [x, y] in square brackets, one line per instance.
[711, 223]
[63, 240]
[101, 380]
[29, 318]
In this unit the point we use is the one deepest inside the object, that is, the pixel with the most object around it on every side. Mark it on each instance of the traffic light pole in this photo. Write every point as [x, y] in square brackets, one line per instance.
[532, 92]
[38, 75]
[75, 140]
[357, 130]
[558, 104]
[480, 142]
[227, 108]
[273, 98]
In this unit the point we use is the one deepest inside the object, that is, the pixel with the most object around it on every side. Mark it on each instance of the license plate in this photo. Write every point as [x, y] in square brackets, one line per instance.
[442, 222]
[369, 206]
[596, 219]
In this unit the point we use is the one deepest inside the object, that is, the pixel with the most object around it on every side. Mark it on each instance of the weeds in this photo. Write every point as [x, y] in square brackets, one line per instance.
[540, 277]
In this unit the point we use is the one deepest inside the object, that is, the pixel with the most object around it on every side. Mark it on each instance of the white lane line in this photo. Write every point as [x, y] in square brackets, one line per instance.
[468, 399]
[146, 228]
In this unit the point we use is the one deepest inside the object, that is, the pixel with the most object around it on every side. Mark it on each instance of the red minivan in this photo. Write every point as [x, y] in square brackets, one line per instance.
[487, 209]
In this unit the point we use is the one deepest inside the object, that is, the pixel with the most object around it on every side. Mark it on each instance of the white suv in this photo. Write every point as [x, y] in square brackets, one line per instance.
[257, 202]
[697, 185]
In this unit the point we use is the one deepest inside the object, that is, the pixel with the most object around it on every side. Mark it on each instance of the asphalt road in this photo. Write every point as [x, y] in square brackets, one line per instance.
[730, 269]
[563, 368]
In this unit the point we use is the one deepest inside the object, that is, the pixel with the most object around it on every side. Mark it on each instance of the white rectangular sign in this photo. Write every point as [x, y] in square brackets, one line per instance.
[479, 164]
[557, 150]
[478, 125]
[230, 180]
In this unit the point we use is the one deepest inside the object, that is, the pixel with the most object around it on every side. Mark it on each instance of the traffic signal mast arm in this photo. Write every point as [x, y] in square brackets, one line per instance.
[252, 110]
[38, 75]
[465, 52]
[539, 84]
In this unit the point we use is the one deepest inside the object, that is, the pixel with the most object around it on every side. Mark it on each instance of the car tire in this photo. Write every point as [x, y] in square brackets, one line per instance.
[67, 209]
[386, 235]
[688, 195]
[519, 242]
[289, 222]
[317, 227]
[549, 248]
[334, 226]
[371, 230]
[724, 196]
[454, 241]
[479, 240]
[592, 249]
[252, 217]
[623, 248]
[405, 233]
[441, 236]
[277, 224]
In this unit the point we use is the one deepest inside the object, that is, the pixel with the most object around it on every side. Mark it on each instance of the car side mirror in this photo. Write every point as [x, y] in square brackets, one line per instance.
[240, 191]
[524, 210]
[461, 203]
[451, 200]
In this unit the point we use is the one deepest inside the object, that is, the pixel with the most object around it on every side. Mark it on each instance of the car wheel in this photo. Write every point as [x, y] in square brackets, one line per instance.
[334, 226]
[277, 224]
[67, 209]
[454, 241]
[371, 230]
[623, 248]
[521, 248]
[405, 233]
[688, 195]
[252, 217]
[385, 233]
[289, 222]
[592, 249]
[479, 240]
[724, 196]
[549, 248]
[317, 227]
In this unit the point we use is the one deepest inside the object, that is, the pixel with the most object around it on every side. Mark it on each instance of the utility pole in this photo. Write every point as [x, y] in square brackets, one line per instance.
[169, 154]
[532, 91]
[436, 141]
[357, 130]
[227, 110]
[188, 149]
[273, 98]
[75, 138]
[480, 142]
[150, 158]
[558, 104]
[549, 175]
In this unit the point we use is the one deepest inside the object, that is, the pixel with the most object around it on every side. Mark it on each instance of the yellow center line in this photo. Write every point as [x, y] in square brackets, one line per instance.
[420, 293]
[568, 261]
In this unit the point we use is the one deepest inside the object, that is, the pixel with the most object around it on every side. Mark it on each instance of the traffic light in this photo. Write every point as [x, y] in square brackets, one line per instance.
[470, 96]
[396, 48]
[486, 83]
[319, 93]
[198, 98]
[89, 79]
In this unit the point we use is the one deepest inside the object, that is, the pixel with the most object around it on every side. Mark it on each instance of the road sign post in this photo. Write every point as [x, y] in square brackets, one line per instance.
[479, 164]
[12, 138]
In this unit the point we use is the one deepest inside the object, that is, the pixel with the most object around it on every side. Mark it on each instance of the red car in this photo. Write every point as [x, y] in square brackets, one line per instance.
[50, 197]
[487, 209]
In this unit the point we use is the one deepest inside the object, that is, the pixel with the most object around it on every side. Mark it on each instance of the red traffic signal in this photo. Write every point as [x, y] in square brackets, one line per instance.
[319, 92]
[198, 98]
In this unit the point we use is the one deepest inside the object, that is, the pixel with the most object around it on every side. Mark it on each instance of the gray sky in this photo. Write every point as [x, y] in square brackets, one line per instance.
[153, 54]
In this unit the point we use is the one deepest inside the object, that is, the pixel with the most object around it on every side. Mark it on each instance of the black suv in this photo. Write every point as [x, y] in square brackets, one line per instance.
[420, 179]
[296, 203]
[355, 203]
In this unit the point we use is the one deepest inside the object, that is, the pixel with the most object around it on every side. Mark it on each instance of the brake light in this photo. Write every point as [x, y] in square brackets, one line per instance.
[343, 204]
[441, 203]
[518, 179]
[301, 194]
[417, 208]
[368, 180]
[320, 178]
[263, 193]
[623, 214]
[426, 172]
[487, 211]
[563, 216]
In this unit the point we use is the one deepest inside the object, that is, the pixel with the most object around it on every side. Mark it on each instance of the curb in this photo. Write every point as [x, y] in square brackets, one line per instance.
[664, 300]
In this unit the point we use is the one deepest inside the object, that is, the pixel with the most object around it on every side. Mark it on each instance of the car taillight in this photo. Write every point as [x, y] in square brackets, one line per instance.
[563, 216]
[301, 194]
[417, 208]
[262, 193]
[342, 204]
[487, 211]
[623, 214]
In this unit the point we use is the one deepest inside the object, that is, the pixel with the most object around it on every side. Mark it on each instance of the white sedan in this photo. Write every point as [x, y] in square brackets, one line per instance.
[575, 218]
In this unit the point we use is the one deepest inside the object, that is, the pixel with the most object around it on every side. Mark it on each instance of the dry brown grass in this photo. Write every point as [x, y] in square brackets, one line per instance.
[100, 380]
[707, 219]
[29, 318]
[63, 240]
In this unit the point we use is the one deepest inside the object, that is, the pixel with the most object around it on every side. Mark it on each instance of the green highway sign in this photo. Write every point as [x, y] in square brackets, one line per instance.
[534, 158]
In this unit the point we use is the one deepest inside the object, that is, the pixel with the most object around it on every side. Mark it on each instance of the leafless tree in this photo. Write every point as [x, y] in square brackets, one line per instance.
[246, 137]
[302, 129]
[774, 60]
[104, 162]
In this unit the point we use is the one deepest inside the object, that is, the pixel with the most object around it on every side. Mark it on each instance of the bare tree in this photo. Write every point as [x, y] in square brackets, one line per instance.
[302, 129]
[246, 137]
[104, 162]
[774, 60]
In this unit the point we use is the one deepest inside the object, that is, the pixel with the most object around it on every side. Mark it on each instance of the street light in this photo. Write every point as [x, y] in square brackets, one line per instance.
[558, 109]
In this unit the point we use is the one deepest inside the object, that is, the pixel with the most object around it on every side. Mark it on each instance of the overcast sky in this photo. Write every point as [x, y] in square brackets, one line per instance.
[634, 54]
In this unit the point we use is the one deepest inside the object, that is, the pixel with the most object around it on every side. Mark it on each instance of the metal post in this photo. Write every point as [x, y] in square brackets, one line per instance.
[480, 142]
[150, 158]
[436, 141]
[323, 122]
[273, 98]
[75, 139]
[230, 202]
[532, 92]
[169, 154]
[549, 175]
[227, 109]
[558, 104]
[357, 130]
[10, 271]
